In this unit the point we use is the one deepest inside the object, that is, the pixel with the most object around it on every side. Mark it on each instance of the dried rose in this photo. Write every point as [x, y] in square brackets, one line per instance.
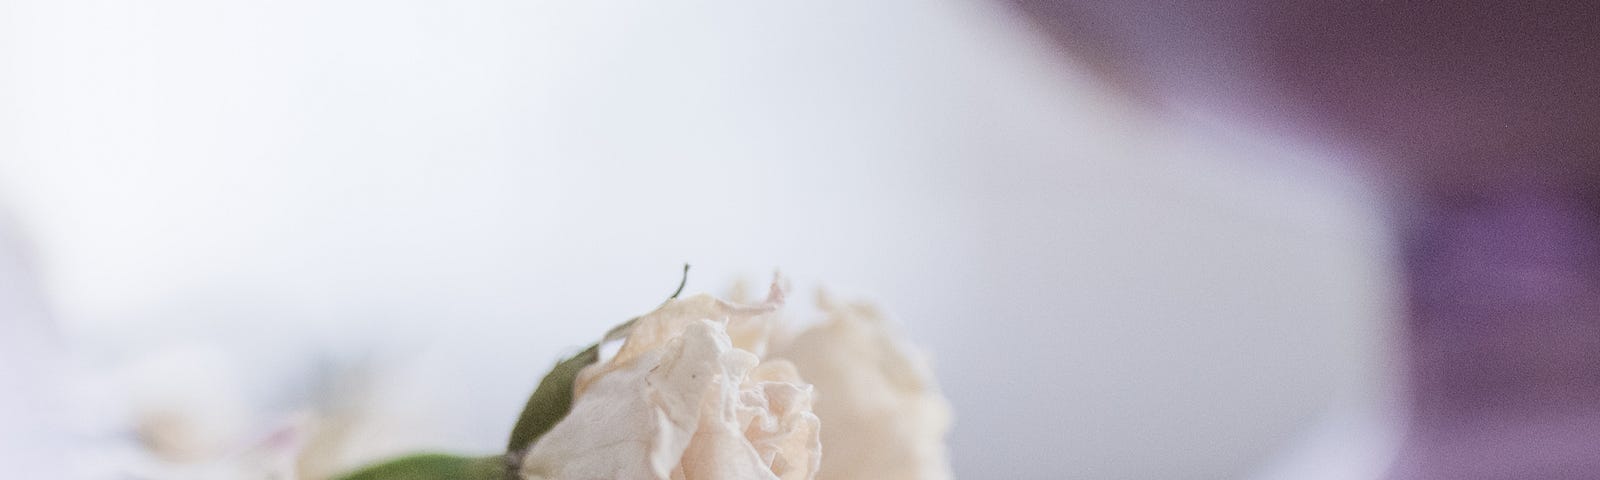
[680, 401]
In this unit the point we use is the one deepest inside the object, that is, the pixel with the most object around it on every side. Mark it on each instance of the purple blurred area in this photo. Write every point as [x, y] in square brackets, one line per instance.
[1505, 338]
[1449, 96]
[1483, 116]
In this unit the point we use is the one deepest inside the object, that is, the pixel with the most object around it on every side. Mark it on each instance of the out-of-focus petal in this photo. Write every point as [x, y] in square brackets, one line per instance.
[882, 416]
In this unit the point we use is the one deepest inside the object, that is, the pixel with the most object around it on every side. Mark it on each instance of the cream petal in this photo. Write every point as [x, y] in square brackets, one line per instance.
[751, 323]
[884, 418]
[779, 424]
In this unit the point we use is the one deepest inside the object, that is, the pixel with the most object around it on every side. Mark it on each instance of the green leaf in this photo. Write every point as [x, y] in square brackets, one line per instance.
[434, 466]
[551, 401]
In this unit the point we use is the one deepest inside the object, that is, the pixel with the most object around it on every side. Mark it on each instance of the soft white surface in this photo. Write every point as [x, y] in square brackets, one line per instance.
[1107, 293]
[33, 425]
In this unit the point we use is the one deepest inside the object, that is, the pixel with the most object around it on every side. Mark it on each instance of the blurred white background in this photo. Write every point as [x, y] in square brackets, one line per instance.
[463, 191]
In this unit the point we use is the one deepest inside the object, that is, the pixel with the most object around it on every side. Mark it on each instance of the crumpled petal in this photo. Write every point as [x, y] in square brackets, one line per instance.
[679, 400]
[764, 429]
[776, 417]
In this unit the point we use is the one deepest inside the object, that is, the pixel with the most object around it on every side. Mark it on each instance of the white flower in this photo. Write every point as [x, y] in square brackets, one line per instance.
[707, 389]
[679, 401]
